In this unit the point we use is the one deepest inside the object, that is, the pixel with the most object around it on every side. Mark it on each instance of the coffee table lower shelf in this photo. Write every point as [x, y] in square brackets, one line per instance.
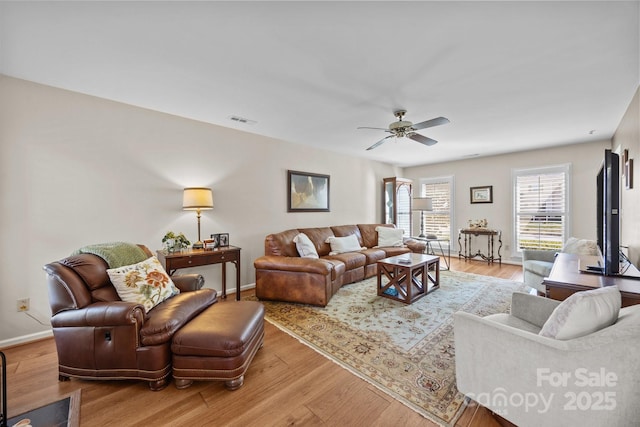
[410, 277]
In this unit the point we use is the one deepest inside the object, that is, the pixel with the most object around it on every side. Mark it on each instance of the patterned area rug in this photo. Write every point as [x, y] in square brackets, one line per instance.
[404, 350]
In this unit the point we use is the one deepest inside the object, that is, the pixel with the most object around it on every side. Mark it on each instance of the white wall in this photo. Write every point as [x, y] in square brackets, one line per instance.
[77, 170]
[585, 160]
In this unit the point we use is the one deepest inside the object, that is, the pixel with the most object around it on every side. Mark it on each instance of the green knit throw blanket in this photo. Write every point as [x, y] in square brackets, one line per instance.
[116, 254]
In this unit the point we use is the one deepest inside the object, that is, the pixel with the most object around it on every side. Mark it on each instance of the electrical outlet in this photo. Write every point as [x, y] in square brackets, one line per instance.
[23, 304]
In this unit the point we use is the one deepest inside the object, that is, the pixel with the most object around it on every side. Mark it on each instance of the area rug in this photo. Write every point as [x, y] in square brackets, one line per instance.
[407, 351]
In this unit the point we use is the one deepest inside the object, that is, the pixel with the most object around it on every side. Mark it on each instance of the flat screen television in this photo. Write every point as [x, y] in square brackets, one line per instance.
[608, 220]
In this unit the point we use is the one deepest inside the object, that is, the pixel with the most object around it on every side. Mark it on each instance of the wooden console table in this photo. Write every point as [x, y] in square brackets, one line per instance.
[468, 233]
[566, 279]
[200, 257]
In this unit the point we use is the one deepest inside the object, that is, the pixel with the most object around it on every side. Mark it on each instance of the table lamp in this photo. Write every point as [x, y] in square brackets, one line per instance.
[422, 204]
[197, 199]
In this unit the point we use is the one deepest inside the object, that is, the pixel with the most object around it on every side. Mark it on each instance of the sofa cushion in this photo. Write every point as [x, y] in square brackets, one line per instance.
[541, 268]
[396, 251]
[351, 260]
[305, 246]
[348, 230]
[167, 317]
[319, 237]
[513, 322]
[144, 283]
[344, 244]
[583, 313]
[389, 237]
[373, 255]
[369, 233]
[281, 244]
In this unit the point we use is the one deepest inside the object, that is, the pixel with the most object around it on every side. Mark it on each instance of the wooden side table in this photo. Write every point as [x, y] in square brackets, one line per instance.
[490, 256]
[430, 248]
[199, 257]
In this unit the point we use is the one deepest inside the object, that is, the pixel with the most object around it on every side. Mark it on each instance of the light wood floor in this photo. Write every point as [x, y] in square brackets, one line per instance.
[287, 384]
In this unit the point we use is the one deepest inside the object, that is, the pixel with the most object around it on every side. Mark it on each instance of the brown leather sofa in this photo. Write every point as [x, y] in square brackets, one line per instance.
[282, 275]
[98, 336]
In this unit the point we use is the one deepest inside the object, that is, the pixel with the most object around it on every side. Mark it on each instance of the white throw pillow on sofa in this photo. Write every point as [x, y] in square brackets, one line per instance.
[305, 247]
[344, 244]
[389, 237]
[583, 313]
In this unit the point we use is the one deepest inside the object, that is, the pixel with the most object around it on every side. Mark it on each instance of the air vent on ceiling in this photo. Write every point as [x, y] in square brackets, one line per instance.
[242, 120]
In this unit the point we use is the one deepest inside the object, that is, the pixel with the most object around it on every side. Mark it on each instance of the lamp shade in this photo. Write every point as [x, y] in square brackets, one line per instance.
[422, 204]
[197, 198]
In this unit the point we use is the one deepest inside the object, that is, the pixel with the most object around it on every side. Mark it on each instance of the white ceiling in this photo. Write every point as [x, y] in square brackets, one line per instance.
[510, 76]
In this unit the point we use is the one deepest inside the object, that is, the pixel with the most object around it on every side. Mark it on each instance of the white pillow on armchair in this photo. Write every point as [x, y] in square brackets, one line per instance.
[580, 246]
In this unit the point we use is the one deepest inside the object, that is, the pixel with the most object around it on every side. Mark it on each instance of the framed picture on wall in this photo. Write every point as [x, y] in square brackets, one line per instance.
[307, 192]
[482, 194]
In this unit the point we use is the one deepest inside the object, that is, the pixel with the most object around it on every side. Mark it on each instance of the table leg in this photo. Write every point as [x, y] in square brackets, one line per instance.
[237, 263]
[224, 279]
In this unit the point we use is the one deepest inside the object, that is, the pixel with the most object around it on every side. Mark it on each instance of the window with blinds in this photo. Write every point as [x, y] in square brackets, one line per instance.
[404, 210]
[439, 220]
[541, 207]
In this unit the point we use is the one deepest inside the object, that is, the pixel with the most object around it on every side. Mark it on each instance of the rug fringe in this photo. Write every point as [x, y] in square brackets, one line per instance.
[388, 392]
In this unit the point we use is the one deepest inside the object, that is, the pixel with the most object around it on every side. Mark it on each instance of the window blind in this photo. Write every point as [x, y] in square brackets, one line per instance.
[438, 221]
[541, 208]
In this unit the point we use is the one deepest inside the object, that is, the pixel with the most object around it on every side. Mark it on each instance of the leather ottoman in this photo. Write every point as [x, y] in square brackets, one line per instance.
[218, 344]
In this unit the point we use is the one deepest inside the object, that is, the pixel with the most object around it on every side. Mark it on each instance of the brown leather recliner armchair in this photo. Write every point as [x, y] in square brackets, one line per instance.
[98, 336]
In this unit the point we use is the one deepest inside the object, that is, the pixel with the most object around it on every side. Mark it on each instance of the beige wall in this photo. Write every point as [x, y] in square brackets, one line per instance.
[627, 136]
[78, 170]
[585, 159]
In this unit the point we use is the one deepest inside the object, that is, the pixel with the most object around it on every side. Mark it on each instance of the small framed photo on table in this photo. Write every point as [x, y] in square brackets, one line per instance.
[213, 242]
[223, 240]
[482, 194]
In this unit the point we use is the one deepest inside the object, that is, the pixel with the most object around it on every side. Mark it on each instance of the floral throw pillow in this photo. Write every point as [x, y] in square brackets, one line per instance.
[144, 283]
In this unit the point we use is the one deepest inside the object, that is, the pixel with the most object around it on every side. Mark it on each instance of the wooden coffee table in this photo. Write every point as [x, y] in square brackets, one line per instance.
[411, 276]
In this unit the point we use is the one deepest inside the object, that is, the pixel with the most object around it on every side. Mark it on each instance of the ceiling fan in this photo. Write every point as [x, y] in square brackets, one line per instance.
[406, 128]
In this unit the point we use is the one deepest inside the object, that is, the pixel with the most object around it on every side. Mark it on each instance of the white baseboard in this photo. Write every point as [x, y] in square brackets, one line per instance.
[11, 342]
[231, 290]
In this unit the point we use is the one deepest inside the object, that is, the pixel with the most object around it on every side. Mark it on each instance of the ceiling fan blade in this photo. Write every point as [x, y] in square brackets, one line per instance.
[422, 139]
[380, 142]
[367, 127]
[431, 123]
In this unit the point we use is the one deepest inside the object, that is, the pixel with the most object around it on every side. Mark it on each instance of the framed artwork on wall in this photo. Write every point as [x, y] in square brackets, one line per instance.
[482, 194]
[628, 174]
[307, 192]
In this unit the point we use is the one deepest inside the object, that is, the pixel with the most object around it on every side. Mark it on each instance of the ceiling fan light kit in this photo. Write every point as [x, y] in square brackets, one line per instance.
[404, 128]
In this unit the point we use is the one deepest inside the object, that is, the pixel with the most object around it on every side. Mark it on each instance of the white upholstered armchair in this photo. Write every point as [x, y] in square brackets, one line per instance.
[503, 363]
[537, 264]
